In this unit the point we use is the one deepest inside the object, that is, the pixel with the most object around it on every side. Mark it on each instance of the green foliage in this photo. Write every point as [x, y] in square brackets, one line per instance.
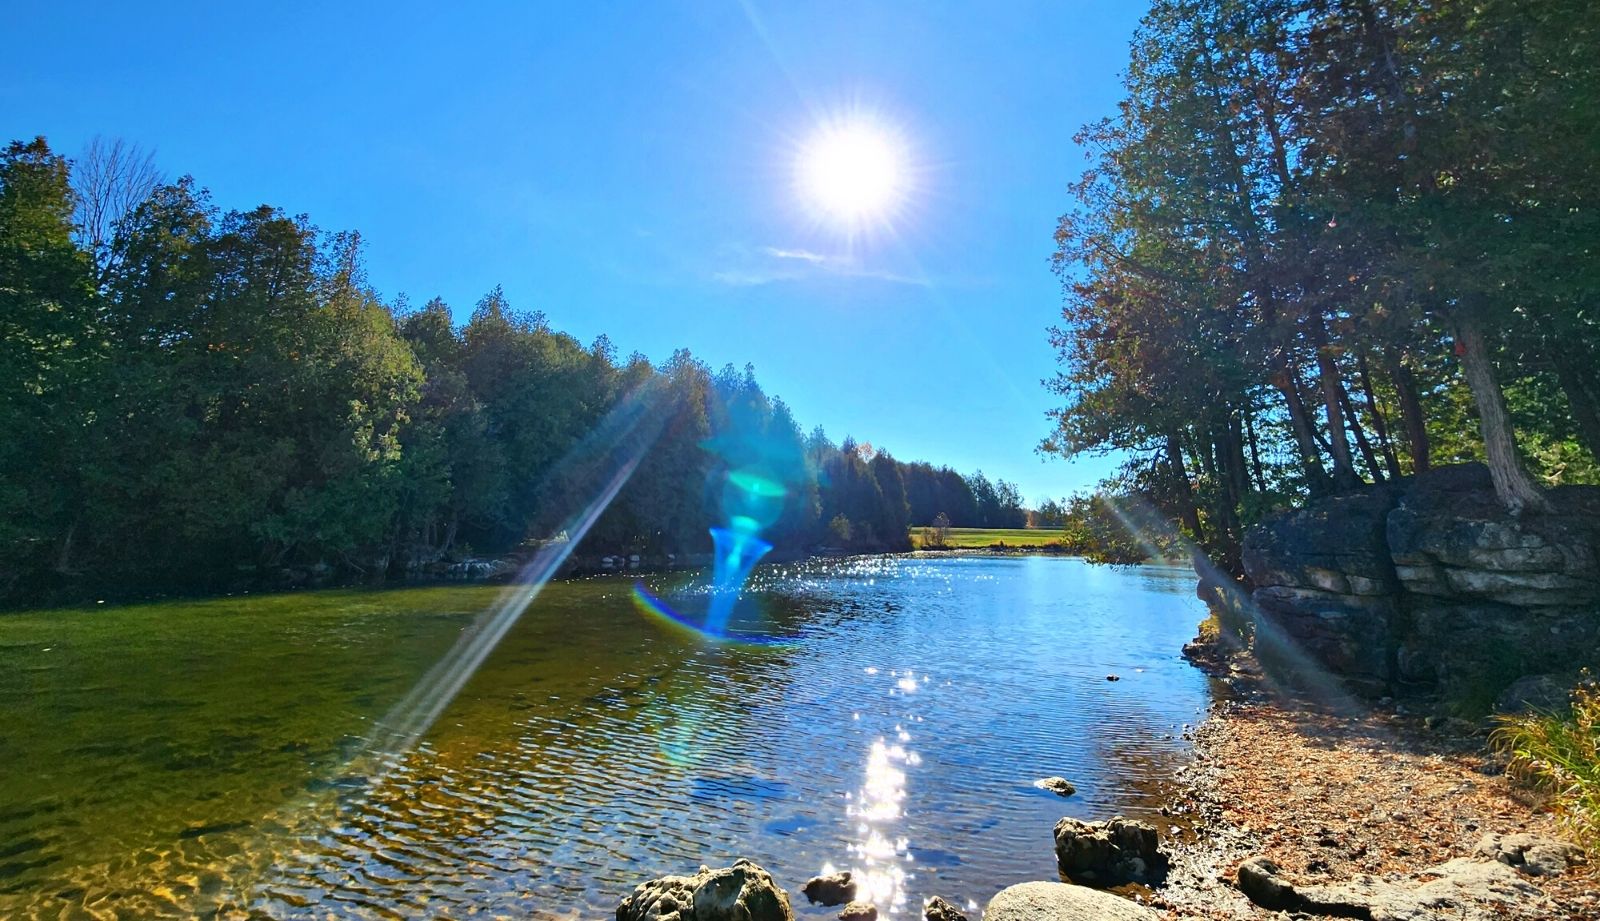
[1559, 754]
[840, 530]
[222, 393]
[1300, 215]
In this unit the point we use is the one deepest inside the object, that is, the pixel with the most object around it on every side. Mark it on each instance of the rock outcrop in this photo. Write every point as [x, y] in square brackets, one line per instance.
[1429, 580]
[1062, 902]
[1109, 853]
[742, 892]
[1466, 889]
[1531, 855]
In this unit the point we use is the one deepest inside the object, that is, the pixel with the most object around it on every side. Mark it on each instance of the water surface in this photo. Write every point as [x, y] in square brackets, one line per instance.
[206, 757]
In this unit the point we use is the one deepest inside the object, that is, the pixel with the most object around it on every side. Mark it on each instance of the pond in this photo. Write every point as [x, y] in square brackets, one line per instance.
[211, 757]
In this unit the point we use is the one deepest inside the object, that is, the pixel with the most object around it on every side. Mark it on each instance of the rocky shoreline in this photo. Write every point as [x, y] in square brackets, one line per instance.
[1377, 812]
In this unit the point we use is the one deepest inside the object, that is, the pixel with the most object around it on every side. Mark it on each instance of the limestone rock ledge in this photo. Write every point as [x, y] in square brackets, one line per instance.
[1429, 581]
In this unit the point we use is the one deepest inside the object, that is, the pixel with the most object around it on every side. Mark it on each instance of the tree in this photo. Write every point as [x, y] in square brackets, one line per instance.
[109, 179]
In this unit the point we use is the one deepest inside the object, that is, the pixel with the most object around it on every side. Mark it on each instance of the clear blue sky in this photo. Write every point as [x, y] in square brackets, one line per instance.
[627, 168]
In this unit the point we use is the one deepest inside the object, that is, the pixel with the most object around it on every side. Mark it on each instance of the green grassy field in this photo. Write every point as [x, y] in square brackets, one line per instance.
[973, 538]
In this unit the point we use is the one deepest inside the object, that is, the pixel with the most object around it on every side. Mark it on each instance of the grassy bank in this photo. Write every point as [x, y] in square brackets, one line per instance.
[984, 538]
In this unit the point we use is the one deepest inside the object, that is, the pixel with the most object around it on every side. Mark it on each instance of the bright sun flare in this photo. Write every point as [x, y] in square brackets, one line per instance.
[853, 173]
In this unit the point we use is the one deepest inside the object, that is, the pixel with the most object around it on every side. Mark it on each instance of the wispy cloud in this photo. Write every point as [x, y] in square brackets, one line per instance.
[800, 254]
[773, 264]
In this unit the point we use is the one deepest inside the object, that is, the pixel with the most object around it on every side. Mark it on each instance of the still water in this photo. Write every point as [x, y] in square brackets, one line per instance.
[205, 758]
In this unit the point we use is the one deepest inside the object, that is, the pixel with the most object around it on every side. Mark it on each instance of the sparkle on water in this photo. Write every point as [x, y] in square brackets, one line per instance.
[173, 759]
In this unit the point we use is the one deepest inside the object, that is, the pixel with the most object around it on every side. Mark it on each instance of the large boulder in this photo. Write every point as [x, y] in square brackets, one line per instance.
[742, 892]
[1537, 694]
[1062, 902]
[1109, 853]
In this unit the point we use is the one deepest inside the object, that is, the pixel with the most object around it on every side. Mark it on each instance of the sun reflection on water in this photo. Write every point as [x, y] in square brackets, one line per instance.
[880, 854]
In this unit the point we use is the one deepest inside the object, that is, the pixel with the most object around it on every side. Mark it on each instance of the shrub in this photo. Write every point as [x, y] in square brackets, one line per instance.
[1559, 754]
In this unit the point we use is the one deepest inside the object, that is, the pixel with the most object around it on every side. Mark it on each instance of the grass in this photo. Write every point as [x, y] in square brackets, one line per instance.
[1559, 754]
[984, 538]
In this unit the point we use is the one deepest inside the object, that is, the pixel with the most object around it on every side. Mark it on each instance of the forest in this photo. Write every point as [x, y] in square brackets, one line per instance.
[1324, 243]
[196, 399]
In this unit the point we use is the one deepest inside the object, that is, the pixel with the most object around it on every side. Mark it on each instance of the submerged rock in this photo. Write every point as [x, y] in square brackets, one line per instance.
[742, 892]
[938, 909]
[1109, 853]
[859, 911]
[832, 889]
[1062, 902]
[1060, 786]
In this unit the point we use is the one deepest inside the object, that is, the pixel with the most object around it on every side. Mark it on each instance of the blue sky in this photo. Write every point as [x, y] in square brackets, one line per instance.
[628, 169]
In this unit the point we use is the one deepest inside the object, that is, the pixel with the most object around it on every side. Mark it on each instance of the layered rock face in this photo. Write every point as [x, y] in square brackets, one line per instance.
[1430, 581]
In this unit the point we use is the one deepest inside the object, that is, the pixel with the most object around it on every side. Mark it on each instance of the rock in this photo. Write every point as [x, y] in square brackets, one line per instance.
[1466, 889]
[1532, 855]
[1428, 580]
[1109, 853]
[742, 892]
[1062, 902]
[1259, 881]
[938, 909]
[1536, 693]
[832, 889]
[1060, 786]
[859, 911]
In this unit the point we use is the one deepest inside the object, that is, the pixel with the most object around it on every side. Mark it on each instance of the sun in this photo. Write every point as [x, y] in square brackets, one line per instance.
[853, 173]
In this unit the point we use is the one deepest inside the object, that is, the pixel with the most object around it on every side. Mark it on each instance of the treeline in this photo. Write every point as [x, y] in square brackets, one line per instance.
[1328, 242]
[193, 399]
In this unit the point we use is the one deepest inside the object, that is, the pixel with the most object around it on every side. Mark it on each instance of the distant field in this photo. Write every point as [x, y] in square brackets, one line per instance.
[968, 538]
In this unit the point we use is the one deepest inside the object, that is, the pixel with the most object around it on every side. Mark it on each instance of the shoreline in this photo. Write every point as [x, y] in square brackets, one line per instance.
[1333, 797]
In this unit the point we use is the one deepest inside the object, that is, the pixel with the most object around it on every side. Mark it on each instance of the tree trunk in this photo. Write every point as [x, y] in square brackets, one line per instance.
[1344, 469]
[1304, 435]
[1380, 425]
[1255, 454]
[1369, 456]
[1581, 398]
[1182, 489]
[1516, 489]
[1416, 424]
[64, 552]
[1227, 543]
[1237, 467]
